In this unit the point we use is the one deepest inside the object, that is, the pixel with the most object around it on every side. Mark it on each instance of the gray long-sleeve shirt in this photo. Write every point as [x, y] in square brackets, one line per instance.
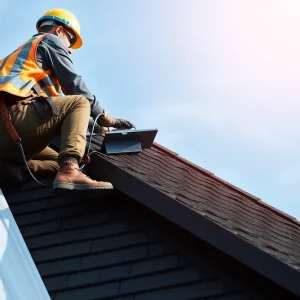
[53, 54]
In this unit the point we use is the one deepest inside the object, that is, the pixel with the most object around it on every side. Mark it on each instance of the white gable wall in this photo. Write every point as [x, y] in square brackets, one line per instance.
[19, 277]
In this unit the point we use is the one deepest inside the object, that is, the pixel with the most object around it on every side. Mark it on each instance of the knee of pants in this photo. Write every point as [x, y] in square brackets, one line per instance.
[82, 101]
[76, 102]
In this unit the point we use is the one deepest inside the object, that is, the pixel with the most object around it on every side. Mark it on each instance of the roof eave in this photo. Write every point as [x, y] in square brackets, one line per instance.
[181, 215]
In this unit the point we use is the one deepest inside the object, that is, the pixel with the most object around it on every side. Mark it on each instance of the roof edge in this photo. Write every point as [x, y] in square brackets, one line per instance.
[181, 215]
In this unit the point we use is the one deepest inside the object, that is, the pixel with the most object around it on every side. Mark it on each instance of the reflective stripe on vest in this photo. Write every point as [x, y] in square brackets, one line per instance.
[20, 71]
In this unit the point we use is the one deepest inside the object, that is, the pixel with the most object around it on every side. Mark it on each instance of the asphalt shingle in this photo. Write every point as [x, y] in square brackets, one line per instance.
[237, 211]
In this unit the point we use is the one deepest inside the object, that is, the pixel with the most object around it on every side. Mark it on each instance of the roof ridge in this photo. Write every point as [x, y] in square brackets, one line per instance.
[227, 184]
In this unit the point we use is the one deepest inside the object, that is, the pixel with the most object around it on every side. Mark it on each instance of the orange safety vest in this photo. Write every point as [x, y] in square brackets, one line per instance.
[20, 72]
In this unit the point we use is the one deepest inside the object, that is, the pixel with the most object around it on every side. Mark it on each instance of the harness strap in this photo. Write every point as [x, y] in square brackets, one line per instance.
[53, 106]
[7, 122]
[37, 88]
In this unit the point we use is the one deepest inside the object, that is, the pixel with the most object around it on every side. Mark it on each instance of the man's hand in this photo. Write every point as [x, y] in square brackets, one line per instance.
[120, 123]
[108, 121]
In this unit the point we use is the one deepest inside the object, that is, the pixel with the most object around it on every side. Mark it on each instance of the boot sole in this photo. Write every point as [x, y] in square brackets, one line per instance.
[80, 189]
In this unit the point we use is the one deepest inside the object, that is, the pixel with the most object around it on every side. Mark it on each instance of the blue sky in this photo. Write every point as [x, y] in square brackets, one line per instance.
[219, 79]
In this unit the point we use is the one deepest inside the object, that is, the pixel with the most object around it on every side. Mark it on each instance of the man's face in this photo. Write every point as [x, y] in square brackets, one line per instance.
[67, 36]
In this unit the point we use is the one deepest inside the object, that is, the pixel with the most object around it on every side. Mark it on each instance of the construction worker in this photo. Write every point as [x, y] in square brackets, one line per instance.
[32, 79]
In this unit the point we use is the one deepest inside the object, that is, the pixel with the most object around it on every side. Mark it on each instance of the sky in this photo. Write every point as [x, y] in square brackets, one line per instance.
[220, 79]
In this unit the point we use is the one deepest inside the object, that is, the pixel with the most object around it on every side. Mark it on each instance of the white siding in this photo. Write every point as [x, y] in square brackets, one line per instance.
[19, 277]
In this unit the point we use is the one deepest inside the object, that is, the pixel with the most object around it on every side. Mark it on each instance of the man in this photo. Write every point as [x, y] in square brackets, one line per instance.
[32, 80]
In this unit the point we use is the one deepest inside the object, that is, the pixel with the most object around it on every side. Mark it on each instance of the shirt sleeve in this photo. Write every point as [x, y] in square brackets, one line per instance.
[53, 54]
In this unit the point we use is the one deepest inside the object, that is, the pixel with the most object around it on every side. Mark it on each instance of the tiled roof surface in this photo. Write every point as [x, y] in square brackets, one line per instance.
[224, 204]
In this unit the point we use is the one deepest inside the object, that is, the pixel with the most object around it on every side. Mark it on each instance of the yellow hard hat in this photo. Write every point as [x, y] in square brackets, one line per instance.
[65, 17]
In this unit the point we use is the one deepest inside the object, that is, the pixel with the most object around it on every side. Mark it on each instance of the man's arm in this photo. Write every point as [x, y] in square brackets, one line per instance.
[52, 54]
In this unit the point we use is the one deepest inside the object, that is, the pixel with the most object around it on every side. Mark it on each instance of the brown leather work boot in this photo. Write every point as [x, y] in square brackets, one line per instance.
[69, 177]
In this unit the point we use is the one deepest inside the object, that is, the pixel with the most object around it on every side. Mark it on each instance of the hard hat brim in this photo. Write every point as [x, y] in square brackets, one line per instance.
[78, 42]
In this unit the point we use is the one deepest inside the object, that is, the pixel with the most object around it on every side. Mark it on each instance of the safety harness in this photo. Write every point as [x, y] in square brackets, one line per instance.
[7, 122]
[5, 118]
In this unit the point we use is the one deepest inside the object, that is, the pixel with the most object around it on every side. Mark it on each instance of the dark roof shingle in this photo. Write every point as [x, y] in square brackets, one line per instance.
[237, 211]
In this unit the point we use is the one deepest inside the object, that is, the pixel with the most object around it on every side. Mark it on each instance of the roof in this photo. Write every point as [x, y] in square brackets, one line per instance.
[255, 233]
[227, 218]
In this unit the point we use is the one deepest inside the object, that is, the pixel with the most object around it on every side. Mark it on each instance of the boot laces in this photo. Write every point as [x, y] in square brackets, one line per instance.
[81, 172]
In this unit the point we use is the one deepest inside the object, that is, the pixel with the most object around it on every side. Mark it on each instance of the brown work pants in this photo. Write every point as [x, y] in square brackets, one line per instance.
[36, 132]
